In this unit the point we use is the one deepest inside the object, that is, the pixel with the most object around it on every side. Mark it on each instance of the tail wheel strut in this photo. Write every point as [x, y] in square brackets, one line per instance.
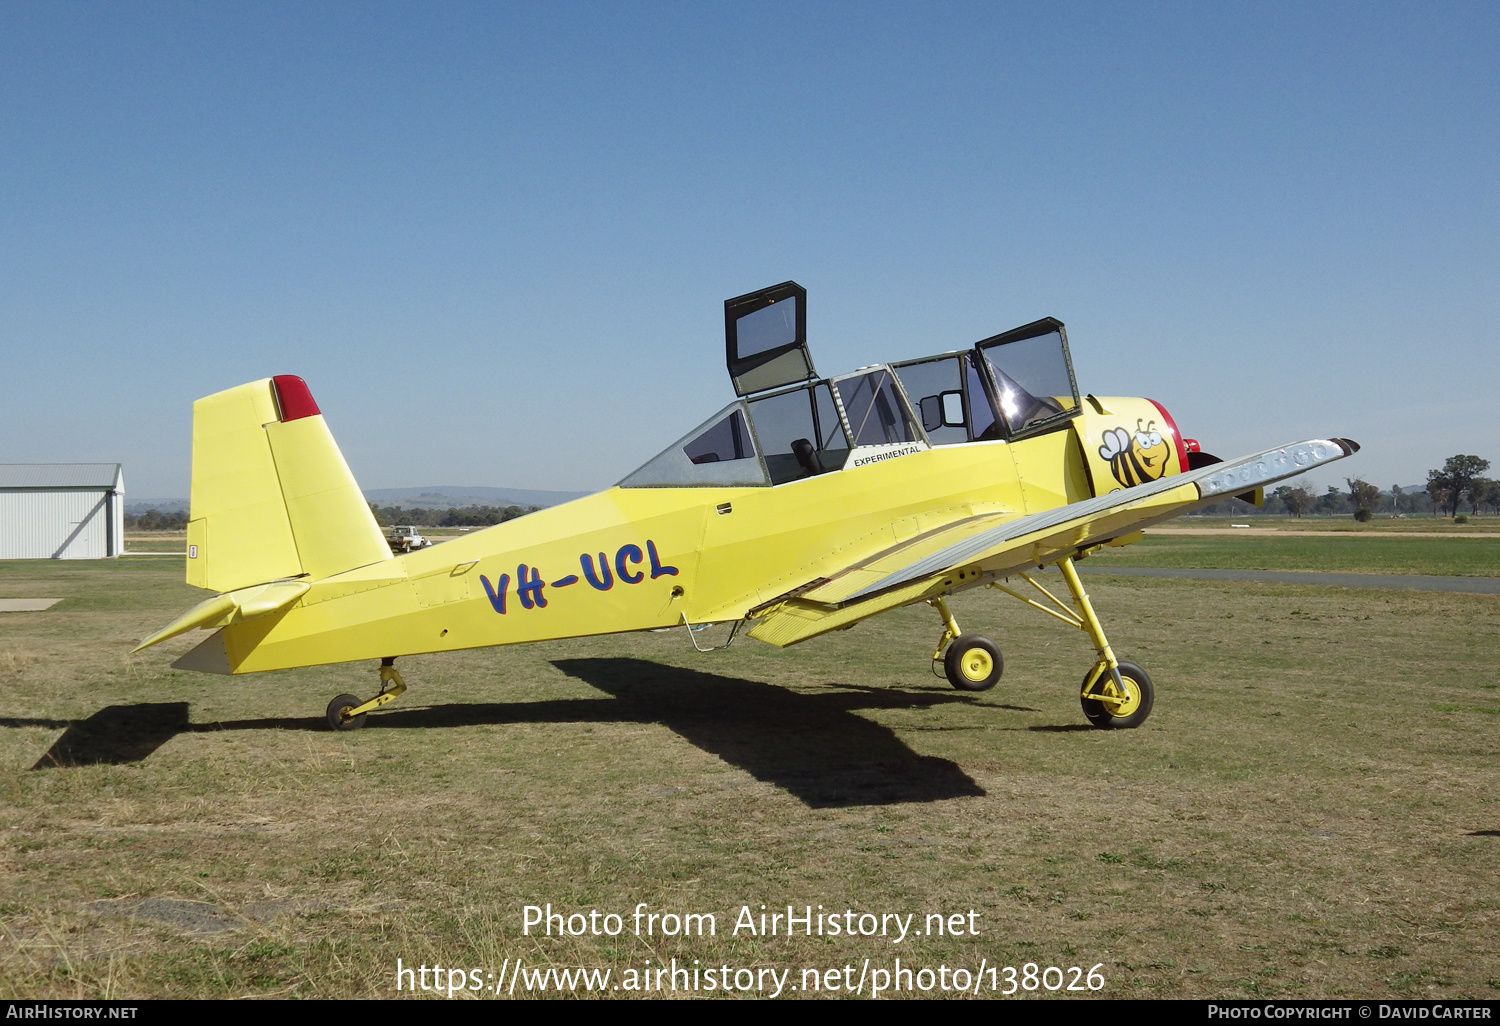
[347, 712]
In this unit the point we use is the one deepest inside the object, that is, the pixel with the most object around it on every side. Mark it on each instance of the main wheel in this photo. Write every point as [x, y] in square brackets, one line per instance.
[339, 707]
[973, 663]
[1132, 712]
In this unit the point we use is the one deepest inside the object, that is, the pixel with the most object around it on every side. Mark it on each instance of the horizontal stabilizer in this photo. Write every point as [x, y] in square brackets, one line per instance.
[233, 607]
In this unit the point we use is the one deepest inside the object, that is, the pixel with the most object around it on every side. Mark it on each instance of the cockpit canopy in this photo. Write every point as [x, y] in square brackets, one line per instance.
[765, 338]
[789, 424]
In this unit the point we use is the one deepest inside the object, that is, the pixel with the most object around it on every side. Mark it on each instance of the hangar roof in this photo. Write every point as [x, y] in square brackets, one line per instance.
[30, 476]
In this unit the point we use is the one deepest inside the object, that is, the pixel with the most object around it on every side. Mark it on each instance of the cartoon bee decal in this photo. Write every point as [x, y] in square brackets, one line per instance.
[1135, 459]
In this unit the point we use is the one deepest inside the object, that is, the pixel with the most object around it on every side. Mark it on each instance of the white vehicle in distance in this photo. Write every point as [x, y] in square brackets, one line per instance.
[405, 538]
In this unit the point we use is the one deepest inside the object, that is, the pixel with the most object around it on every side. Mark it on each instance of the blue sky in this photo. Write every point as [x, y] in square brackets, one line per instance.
[495, 239]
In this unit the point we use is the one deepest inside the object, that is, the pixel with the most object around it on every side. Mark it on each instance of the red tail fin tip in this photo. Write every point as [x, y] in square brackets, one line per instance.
[293, 398]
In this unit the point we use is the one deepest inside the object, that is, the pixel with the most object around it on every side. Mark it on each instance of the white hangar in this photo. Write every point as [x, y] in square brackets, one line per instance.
[61, 510]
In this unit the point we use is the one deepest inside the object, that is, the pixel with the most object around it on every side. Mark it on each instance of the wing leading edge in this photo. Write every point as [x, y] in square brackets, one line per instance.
[965, 554]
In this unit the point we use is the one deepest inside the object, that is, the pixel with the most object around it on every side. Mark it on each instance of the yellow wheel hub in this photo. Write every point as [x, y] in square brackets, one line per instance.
[977, 664]
[1121, 705]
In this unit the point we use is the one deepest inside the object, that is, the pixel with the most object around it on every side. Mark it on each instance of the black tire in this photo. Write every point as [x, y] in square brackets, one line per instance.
[1135, 679]
[973, 663]
[339, 706]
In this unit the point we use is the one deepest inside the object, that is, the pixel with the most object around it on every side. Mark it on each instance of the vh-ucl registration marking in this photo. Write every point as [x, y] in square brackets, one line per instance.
[529, 583]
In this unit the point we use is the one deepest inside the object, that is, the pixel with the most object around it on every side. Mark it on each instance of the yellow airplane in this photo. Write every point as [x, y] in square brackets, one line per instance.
[807, 505]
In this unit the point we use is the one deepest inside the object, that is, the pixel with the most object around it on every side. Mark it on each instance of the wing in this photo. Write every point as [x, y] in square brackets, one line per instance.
[973, 551]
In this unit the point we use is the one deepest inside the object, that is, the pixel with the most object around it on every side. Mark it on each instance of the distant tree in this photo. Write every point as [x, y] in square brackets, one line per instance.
[1396, 498]
[1363, 495]
[155, 520]
[1331, 501]
[467, 516]
[1296, 500]
[1483, 492]
[1440, 488]
[1453, 481]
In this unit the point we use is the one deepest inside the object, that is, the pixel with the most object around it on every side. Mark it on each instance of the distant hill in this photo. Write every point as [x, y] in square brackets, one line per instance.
[138, 506]
[444, 496]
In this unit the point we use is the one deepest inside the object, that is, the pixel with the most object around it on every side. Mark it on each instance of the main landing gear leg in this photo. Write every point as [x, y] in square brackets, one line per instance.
[347, 712]
[971, 663]
[1115, 695]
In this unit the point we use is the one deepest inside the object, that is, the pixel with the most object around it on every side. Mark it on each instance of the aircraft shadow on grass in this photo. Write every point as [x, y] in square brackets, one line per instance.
[813, 746]
[115, 735]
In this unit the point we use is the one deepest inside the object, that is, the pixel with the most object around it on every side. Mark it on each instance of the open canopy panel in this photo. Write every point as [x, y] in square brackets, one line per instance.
[1032, 374]
[765, 335]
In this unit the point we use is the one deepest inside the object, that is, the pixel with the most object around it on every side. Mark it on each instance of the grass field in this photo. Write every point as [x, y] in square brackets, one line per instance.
[1458, 557]
[1313, 810]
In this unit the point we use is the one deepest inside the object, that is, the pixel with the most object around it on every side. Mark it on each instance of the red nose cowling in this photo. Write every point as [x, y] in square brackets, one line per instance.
[1183, 447]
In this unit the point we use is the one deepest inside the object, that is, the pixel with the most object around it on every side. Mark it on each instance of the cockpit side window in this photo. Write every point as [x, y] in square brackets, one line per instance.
[983, 424]
[1032, 376]
[799, 432]
[726, 440]
[950, 398]
[877, 413]
[831, 437]
[719, 452]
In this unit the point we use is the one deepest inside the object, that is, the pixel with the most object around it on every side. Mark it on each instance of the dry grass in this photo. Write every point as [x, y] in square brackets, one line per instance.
[1312, 810]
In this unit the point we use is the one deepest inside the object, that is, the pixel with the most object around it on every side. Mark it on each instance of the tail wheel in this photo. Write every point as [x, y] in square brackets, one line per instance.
[340, 707]
[1130, 709]
[973, 663]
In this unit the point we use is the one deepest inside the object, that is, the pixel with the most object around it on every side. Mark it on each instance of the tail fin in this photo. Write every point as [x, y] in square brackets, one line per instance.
[272, 496]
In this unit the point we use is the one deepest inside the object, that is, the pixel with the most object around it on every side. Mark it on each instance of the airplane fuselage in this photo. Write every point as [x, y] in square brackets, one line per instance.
[640, 558]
